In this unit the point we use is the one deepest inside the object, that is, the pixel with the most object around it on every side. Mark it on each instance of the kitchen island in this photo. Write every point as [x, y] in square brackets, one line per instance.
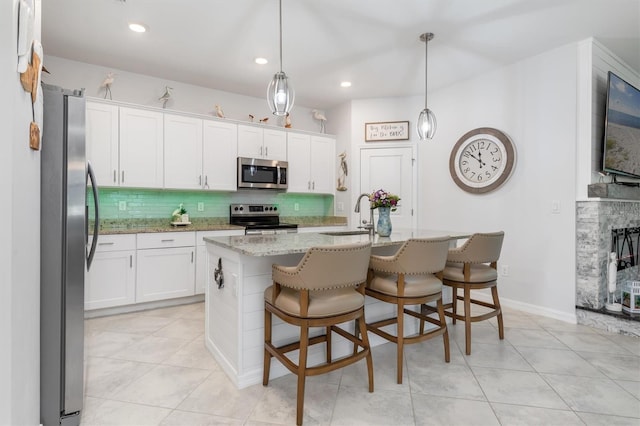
[234, 306]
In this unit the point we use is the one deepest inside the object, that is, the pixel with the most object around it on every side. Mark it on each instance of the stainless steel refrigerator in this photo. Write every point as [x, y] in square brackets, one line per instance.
[64, 254]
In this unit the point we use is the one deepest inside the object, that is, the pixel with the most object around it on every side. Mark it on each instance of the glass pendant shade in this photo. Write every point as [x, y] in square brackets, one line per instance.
[426, 124]
[280, 94]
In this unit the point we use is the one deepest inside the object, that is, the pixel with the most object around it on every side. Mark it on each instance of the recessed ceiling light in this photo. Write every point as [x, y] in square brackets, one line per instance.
[138, 28]
[261, 61]
[345, 84]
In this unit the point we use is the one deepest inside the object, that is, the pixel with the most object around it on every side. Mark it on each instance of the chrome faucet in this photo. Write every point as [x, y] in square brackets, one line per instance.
[369, 225]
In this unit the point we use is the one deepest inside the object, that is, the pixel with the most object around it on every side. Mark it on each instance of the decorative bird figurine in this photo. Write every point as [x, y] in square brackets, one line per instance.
[165, 96]
[264, 120]
[287, 121]
[219, 111]
[106, 84]
[343, 171]
[320, 117]
[251, 117]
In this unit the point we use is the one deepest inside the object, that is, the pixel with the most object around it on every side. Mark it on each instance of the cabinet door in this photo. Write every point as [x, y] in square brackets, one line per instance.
[322, 164]
[275, 144]
[102, 142]
[111, 281]
[298, 153]
[141, 148]
[182, 152]
[201, 255]
[165, 273]
[250, 142]
[219, 154]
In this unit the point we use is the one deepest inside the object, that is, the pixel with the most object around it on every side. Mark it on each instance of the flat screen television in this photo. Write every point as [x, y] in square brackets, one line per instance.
[621, 148]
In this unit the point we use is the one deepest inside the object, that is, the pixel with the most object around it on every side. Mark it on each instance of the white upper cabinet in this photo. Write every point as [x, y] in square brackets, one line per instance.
[102, 142]
[182, 152]
[311, 163]
[141, 148]
[258, 142]
[219, 154]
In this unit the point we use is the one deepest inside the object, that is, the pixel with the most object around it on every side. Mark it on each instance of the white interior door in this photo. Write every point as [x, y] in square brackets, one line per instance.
[390, 169]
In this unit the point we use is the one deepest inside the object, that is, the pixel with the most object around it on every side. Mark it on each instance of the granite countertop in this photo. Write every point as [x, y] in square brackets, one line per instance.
[282, 244]
[137, 226]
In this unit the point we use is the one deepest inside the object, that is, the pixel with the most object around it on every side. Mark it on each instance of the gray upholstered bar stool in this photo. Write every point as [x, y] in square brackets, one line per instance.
[410, 277]
[325, 289]
[473, 266]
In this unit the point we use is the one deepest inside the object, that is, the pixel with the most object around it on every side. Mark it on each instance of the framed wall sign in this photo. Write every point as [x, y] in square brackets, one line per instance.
[386, 131]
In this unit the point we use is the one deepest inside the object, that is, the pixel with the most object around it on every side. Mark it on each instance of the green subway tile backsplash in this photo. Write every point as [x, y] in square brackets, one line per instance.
[156, 204]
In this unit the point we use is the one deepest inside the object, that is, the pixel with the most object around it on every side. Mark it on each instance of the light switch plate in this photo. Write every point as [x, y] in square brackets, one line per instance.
[200, 207]
[122, 206]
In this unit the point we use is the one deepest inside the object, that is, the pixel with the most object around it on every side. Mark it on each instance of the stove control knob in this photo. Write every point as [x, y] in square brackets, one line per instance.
[235, 208]
[241, 208]
[275, 208]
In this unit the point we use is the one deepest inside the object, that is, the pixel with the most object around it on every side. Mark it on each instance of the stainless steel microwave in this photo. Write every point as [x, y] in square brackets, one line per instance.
[255, 173]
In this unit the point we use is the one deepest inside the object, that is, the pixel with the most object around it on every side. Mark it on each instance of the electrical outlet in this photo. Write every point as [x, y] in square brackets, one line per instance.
[122, 206]
[504, 270]
[296, 206]
[555, 207]
[340, 206]
[200, 207]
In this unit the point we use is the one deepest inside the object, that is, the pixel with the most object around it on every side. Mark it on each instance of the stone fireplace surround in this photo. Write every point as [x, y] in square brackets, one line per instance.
[594, 221]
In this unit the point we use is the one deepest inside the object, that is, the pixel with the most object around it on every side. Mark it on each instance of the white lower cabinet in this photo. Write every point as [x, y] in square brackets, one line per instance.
[201, 255]
[111, 280]
[166, 266]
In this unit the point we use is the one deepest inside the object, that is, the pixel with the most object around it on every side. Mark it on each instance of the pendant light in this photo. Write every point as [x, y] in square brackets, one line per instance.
[427, 120]
[280, 93]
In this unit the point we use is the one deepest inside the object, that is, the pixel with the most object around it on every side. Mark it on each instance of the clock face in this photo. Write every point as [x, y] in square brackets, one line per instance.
[482, 160]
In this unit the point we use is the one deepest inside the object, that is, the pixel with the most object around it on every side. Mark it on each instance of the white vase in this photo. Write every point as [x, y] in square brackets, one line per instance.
[184, 217]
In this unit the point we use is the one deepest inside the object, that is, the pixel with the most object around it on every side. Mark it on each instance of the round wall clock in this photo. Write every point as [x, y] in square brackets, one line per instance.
[482, 160]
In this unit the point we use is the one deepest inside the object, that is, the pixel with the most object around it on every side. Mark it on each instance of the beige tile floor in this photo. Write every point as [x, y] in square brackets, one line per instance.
[151, 368]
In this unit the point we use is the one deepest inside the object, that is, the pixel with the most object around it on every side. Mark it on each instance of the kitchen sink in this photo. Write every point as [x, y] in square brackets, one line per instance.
[337, 233]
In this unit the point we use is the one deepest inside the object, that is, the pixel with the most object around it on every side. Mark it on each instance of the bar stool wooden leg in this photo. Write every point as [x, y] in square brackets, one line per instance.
[445, 335]
[454, 302]
[267, 354]
[328, 334]
[496, 302]
[365, 339]
[302, 370]
[400, 338]
[467, 318]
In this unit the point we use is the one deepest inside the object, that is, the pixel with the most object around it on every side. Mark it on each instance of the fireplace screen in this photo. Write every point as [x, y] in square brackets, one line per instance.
[626, 242]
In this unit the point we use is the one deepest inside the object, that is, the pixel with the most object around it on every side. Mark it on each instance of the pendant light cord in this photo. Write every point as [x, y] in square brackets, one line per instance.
[426, 65]
[280, 1]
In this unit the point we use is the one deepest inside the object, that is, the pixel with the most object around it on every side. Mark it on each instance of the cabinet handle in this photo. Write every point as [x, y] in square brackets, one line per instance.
[206, 181]
[106, 244]
[167, 241]
[266, 151]
[260, 150]
[114, 175]
[314, 185]
[191, 257]
[200, 180]
[130, 261]
[122, 181]
[308, 184]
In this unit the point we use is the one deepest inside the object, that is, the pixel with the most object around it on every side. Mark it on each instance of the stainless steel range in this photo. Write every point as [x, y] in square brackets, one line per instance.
[259, 219]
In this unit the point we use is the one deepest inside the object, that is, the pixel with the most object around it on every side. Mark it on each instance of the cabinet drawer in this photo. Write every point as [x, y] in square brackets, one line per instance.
[116, 242]
[226, 233]
[166, 239]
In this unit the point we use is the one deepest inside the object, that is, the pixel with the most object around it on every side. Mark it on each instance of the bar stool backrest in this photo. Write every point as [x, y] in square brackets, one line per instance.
[479, 248]
[417, 256]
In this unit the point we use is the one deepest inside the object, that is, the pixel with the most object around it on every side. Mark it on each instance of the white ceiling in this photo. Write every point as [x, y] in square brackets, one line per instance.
[373, 43]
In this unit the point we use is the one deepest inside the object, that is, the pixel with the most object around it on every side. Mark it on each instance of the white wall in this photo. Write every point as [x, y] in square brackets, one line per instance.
[534, 102]
[20, 237]
[145, 90]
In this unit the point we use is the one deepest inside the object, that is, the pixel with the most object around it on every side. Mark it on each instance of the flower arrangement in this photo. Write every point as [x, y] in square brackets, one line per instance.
[177, 213]
[382, 198]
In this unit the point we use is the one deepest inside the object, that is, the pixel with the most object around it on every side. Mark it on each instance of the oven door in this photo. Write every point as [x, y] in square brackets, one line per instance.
[254, 173]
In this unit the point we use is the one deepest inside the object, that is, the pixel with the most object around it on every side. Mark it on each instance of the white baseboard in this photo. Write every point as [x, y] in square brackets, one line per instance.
[136, 307]
[528, 308]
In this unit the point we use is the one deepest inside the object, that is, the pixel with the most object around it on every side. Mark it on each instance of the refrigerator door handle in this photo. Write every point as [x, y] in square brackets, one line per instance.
[96, 223]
